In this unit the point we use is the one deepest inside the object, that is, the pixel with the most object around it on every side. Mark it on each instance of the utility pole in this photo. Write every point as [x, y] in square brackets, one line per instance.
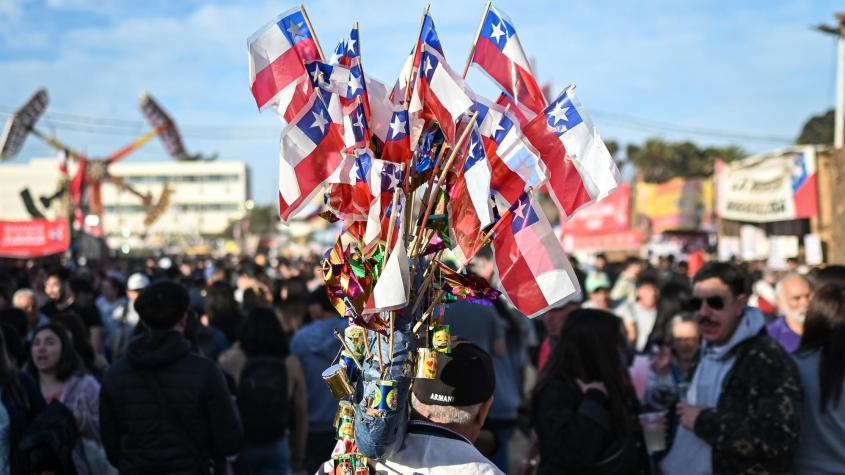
[839, 123]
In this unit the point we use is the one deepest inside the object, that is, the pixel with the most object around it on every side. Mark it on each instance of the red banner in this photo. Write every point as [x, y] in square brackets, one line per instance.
[610, 215]
[35, 238]
[622, 241]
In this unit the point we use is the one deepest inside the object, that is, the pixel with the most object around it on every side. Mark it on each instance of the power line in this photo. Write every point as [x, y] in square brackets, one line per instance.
[123, 127]
[633, 122]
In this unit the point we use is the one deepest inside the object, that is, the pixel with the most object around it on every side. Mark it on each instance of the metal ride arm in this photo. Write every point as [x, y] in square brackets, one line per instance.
[134, 145]
[119, 182]
[55, 144]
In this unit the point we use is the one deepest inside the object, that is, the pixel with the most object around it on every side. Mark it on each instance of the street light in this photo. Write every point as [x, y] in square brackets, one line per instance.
[839, 121]
[249, 204]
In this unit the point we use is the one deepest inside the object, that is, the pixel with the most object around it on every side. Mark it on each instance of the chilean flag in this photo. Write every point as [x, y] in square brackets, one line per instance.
[310, 151]
[276, 55]
[469, 204]
[439, 94]
[534, 271]
[355, 128]
[579, 166]
[347, 51]
[804, 185]
[428, 39]
[499, 54]
[514, 164]
[397, 143]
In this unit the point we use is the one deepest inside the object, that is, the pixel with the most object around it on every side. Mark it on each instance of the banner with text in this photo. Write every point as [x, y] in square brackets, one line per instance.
[777, 186]
[34, 238]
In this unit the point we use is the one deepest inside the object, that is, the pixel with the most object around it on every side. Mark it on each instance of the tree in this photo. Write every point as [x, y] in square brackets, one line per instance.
[818, 130]
[659, 160]
[262, 221]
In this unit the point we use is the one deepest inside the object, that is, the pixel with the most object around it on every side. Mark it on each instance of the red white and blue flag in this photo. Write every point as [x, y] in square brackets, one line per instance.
[534, 271]
[438, 95]
[499, 54]
[469, 204]
[276, 70]
[362, 189]
[310, 151]
[397, 142]
[578, 163]
[428, 39]
[514, 163]
[347, 52]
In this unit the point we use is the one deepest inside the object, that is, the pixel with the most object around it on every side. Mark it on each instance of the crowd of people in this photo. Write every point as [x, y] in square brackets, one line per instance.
[189, 365]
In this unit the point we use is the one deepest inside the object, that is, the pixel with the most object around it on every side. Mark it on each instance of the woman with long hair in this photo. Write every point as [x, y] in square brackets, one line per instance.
[19, 404]
[821, 363]
[672, 300]
[59, 373]
[584, 405]
[222, 311]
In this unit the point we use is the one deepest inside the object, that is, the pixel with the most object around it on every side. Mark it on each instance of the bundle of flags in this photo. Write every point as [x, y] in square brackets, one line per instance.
[428, 165]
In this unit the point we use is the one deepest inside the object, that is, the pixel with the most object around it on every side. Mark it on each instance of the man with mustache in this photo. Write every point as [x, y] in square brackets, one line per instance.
[740, 415]
[793, 295]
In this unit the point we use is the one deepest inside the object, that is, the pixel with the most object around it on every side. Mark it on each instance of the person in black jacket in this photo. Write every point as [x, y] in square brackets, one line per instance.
[164, 409]
[584, 406]
[19, 400]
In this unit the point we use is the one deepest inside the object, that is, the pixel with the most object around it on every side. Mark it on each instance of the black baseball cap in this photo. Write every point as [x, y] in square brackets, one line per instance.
[464, 377]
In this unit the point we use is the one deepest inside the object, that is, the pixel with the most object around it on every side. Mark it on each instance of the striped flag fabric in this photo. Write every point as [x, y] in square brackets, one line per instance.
[579, 165]
[310, 151]
[438, 94]
[469, 204]
[514, 163]
[534, 271]
[276, 55]
[428, 39]
[499, 54]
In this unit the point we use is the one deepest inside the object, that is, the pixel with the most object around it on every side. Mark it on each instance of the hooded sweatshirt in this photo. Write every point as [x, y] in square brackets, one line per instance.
[317, 349]
[139, 435]
[689, 454]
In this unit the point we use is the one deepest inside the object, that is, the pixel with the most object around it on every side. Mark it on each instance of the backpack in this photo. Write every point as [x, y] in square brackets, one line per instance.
[263, 399]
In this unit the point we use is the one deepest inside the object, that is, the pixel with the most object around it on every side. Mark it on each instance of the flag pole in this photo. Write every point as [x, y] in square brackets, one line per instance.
[390, 227]
[475, 40]
[414, 57]
[433, 197]
[313, 33]
[367, 113]
[484, 240]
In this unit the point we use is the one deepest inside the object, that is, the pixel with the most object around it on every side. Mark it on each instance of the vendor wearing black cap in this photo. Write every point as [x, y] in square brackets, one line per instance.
[447, 414]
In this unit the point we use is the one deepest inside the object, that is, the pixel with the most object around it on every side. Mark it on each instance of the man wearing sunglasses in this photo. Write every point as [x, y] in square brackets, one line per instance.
[741, 410]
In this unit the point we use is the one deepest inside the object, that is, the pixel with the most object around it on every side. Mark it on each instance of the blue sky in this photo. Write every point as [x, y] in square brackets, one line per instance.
[745, 73]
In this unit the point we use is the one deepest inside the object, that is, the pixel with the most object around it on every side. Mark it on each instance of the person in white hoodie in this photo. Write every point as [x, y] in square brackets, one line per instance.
[741, 410]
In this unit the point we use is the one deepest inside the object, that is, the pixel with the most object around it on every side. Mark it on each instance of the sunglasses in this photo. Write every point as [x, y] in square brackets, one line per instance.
[716, 303]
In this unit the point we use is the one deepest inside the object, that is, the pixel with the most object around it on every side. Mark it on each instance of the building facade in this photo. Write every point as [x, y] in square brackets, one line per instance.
[206, 197]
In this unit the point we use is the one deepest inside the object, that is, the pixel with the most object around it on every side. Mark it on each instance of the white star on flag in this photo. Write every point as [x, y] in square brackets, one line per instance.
[394, 182]
[520, 210]
[358, 124]
[497, 32]
[319, 121]
[473, 149]
[351, 45]
[497, 128]
[295, 30]
[559, 112]
[397, 127]
[317, 75]
[354, 84]
[335, 57]
[428, 65]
